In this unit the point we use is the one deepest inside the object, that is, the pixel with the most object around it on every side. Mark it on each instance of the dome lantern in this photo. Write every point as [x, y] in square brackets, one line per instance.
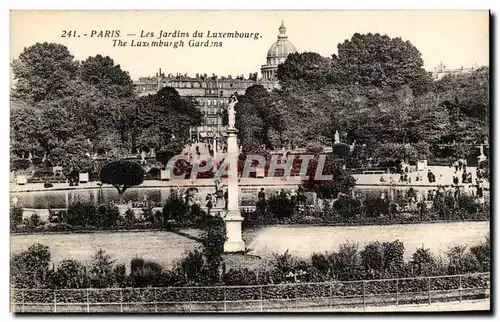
[282, 30]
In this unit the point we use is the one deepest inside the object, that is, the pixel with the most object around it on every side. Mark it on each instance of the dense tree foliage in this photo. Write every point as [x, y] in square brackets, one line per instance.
[378, 60]
[164, 116]
[309, 69]
[43, 71]
[66, 112]
[377, 95]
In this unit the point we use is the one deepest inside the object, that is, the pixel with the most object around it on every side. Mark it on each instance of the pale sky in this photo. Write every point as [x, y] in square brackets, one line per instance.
[456, 38]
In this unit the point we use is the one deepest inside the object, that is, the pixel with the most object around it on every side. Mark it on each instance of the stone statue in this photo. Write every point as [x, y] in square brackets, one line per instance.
[481, 156]
[231, 111]
[337, 137]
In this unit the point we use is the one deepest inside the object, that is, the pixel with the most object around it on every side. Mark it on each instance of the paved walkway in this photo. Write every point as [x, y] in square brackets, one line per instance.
[444, 176]
[482, 305]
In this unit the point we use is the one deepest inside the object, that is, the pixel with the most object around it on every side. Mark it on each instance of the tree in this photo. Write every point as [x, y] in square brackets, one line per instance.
[24, 126]
[29, 269]
[482, 252]
[372, 258]
[19, 164]
[108, 77]
[309, 68]
[101, 270]
[122, 174]
[255, 118]
[213, 239]
[175, 209]
[393, 256]
[164, 116]
[422, 261]
[374, 59]
[43, 71]
[346, 262]
[461, 261]
[70, 273]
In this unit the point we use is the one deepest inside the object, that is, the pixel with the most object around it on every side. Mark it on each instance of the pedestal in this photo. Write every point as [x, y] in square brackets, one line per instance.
[234, 241]
[233, 217]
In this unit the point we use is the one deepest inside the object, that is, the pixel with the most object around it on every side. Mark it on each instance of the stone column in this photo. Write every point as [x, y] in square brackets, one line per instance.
[214, 156]
[233, 217]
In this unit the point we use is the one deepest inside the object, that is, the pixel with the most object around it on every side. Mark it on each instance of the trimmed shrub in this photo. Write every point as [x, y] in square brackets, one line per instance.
[16, 216]
[79, 213]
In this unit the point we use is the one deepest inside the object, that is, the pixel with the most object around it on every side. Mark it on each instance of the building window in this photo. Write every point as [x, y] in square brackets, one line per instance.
[208, 102]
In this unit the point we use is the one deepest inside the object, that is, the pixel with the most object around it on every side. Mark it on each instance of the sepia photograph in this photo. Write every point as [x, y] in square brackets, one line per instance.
[249, 161]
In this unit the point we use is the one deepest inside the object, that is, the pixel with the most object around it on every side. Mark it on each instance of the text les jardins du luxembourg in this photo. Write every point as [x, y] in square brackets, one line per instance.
[162, 36]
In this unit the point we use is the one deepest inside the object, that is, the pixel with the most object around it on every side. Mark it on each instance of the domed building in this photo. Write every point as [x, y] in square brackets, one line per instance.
[277, 54]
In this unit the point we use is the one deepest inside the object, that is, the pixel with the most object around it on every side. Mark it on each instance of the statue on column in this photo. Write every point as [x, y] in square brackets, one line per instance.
[231, 111]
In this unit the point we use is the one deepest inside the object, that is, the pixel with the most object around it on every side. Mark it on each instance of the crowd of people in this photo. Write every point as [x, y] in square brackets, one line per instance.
[461, 175]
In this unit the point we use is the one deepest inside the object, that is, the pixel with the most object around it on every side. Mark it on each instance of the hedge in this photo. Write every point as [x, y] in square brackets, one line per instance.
[266, 292]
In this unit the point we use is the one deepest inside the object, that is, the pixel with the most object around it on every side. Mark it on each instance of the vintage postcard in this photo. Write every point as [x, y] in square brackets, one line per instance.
[249, 161]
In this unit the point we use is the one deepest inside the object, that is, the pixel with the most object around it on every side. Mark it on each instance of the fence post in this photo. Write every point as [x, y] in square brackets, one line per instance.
[225, 308]
[429, 288]
[22, 299]
[261, 300]
[330, 296]
[121, 300]
[296, 296]
[88, 304]
[55, 305]
[397, 292]
[156, 302]
[460, 287]
[190, 299]
[364, 295]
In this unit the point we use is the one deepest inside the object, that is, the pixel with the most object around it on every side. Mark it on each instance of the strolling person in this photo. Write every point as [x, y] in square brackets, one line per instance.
[293, 196]
[209, 203]
[261, 196]
[226, 199]
[464, 176]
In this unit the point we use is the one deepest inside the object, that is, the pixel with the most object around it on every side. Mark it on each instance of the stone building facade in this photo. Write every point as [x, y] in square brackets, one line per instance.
[211, 93]
[441, 71]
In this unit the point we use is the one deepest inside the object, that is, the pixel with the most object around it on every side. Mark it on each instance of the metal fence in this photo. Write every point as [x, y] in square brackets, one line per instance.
[257, 298]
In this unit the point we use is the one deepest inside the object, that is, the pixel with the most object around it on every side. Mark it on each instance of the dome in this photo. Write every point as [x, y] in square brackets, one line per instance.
[282, 47]
[276, 55]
